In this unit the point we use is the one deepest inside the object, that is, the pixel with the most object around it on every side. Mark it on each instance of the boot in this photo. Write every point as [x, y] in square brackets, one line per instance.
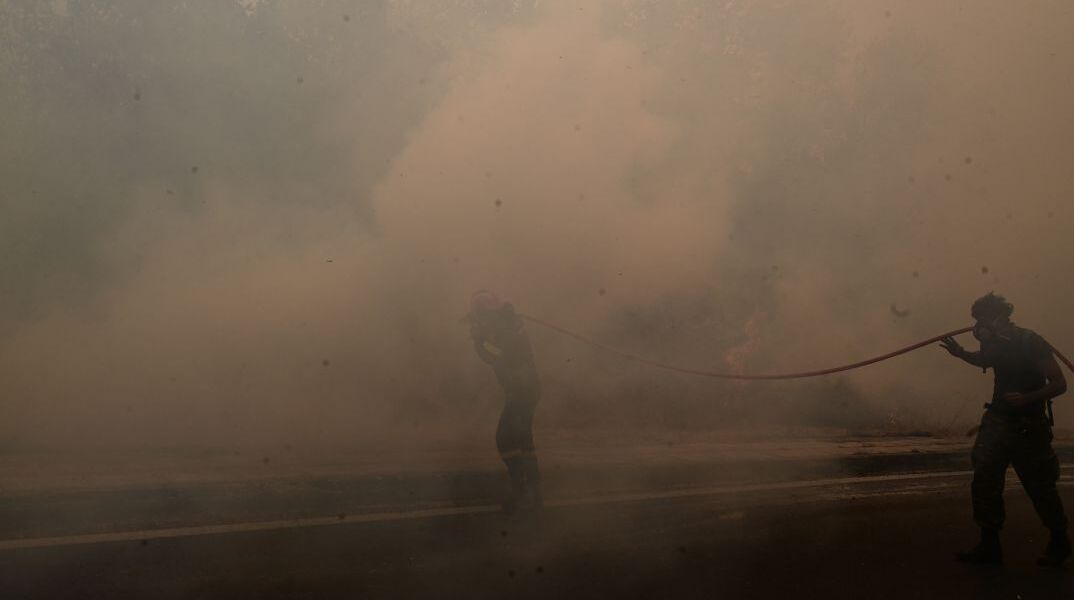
[516, 473]
[1058, 549]
[987, 552]
[531, 492]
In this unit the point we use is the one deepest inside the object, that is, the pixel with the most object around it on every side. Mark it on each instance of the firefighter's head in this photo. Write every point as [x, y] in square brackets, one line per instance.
[993, 315]
[489, 312]
[484, 303]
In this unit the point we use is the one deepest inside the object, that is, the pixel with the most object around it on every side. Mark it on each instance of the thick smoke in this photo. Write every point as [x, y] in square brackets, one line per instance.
[261, 222]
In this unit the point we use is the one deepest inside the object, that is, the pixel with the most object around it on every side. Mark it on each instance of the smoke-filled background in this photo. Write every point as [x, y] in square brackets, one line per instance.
[259, 222]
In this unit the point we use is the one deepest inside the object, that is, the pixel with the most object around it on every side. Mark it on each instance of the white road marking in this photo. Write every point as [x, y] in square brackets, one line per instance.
[381, 517]
[759, 487]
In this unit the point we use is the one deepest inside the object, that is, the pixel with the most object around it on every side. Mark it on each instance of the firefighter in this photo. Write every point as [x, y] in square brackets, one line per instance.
[501, 341]
[1016, 429]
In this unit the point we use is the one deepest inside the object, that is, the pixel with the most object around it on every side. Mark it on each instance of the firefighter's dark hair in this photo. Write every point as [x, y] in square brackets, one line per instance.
[991, 307]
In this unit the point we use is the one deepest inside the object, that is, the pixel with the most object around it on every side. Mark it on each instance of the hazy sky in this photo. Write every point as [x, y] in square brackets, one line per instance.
[259, 221]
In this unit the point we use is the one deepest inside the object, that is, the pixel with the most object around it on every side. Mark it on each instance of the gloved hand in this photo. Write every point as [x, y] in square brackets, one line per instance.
[952, 347]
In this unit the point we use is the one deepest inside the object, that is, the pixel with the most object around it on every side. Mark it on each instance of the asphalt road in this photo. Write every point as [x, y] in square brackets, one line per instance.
[830, 537]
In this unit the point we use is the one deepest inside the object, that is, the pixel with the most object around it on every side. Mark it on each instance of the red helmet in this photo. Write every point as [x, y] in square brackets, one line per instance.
[484, 301]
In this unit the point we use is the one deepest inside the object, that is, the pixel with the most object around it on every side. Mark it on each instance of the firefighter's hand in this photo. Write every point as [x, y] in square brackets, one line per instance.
[952, 347]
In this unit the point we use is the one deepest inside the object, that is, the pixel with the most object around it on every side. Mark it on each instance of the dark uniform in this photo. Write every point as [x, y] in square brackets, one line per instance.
[506, 347]
[1020, 436]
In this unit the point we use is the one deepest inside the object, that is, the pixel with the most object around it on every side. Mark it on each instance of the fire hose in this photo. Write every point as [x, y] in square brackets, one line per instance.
[774, 376]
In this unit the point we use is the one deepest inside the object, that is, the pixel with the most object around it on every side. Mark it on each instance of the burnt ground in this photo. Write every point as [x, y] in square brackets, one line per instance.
[800, 529]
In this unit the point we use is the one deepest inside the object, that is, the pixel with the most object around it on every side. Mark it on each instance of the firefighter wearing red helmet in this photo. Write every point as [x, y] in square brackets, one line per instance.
[500, 340]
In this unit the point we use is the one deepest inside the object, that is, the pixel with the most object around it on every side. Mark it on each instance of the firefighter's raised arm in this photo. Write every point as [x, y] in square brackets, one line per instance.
[955, 349]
